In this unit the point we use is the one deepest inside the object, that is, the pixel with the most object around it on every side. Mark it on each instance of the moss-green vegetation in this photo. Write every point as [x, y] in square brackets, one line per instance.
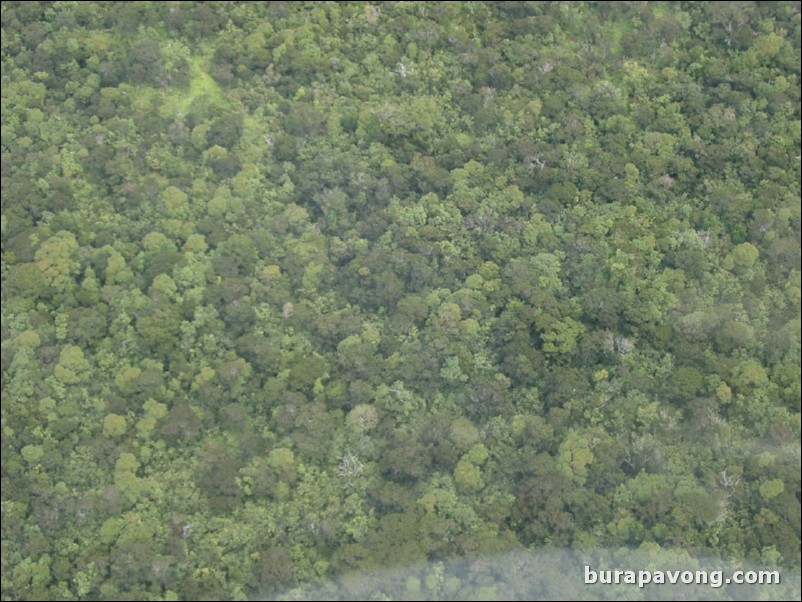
[202, 88]
[293, 290]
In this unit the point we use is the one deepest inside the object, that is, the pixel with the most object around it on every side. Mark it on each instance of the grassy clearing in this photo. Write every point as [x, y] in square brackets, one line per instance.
[201, 87]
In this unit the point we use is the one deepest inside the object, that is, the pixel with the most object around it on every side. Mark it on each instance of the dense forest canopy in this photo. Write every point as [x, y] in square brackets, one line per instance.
[292, 290]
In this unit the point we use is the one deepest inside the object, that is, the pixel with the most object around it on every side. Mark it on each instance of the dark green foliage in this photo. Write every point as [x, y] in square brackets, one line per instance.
[295, 289]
